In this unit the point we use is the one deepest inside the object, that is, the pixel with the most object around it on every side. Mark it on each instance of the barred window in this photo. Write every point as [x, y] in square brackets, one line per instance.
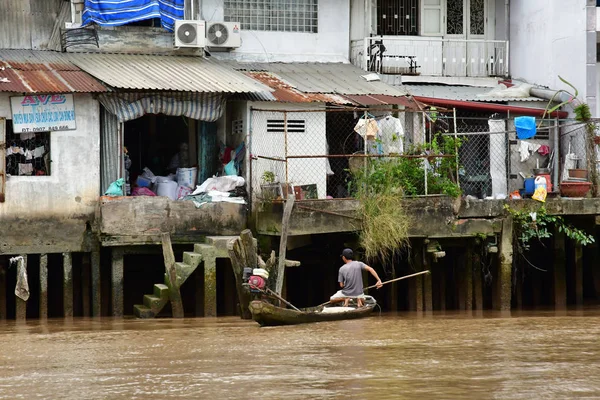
[27, 153]
[274, 15]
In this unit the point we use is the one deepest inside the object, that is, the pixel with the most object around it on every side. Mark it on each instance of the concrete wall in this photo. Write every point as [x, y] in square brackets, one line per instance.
[330, 44]
[68, 195]
[549, 39]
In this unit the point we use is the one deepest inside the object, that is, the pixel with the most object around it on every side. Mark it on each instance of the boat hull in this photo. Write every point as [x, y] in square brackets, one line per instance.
[267, 314]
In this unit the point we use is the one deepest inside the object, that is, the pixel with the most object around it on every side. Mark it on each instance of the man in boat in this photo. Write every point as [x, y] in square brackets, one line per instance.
[350, 279]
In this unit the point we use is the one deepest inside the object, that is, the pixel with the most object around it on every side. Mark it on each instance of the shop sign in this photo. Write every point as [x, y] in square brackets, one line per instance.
[43, 113]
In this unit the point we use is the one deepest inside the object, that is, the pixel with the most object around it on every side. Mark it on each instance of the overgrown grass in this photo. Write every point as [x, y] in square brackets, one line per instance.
[382, 187]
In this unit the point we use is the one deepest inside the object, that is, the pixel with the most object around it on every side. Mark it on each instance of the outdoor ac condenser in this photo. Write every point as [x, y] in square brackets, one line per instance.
[223, 34]
[190, 33]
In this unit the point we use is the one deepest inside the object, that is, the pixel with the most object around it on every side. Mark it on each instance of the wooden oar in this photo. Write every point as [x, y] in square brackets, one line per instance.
[398, 279]
[272, 293]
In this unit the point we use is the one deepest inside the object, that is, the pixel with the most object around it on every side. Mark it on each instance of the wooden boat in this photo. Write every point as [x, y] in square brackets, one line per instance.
[267, 314]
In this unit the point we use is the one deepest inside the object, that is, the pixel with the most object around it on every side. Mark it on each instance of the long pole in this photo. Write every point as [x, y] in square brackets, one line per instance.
[399, 279]
[278, 297]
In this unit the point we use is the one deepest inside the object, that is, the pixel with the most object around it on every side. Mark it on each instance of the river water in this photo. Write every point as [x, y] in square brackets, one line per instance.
[451, 356]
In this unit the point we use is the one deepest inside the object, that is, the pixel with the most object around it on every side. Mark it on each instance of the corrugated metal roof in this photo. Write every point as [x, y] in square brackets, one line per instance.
[464, 93]
[31, 71]
[285, 93]
[382, 99]
[332, 78]
[174, 73]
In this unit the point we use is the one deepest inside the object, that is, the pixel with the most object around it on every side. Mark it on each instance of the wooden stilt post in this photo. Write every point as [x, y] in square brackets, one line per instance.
[578, 274]
[560, 271]
[442, 289]
[285, 226]
[85, 284]
[460, 267]
[243, 253]
[418, 282]
[117, 282]
[427, 282]
[477, 282]
[43, 286]
[468, 278]
[506, 260]
[96, 284]
[21, 305]
[67, 285]
[2, 288]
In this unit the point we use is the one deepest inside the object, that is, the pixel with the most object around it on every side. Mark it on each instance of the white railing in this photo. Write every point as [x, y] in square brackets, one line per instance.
[416, 55]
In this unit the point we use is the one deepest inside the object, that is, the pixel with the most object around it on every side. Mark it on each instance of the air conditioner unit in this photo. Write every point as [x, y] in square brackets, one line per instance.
[190, 33]
[223, 34]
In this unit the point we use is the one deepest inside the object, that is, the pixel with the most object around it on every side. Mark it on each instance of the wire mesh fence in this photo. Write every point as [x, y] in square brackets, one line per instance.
[325, 153]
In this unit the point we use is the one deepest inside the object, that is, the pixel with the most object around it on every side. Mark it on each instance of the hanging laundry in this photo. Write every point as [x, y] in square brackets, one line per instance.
[526, 149]
[391, 135]
[38, 152]
[544, 150]
[22, 288]
[367, 128]
[28, 154]
[25, 169]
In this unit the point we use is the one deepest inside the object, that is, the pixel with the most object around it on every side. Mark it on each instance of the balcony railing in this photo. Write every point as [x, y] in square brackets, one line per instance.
[415, 55]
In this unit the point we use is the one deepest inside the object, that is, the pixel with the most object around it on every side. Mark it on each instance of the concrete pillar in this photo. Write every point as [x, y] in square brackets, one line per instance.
[2, 288]
[560, 271]
[21, 305]
[427, 284]
[506, 260]
[85, 284]
[578, 274]
[67, 285]
[43, 286]
[468, 278]
[117, 282]
[96, 284]
[210, 286]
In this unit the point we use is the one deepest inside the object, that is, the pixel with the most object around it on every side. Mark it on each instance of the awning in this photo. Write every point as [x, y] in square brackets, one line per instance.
[165, 73]
[31, 71]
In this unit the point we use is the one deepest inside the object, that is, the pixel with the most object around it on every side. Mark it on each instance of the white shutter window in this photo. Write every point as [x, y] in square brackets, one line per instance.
[432, 23]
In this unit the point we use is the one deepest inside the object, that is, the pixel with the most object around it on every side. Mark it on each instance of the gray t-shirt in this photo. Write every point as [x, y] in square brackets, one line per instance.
[351, 276]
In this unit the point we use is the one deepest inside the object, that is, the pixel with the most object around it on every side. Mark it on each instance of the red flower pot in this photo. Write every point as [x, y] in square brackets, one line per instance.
[574, 189]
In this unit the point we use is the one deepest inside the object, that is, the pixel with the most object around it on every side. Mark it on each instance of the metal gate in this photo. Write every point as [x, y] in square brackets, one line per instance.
[398, 17]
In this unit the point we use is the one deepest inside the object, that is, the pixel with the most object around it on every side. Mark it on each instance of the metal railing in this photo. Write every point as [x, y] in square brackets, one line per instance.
[419, 55]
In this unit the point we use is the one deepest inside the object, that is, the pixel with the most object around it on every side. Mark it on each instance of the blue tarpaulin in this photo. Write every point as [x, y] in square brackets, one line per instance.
[122, 12]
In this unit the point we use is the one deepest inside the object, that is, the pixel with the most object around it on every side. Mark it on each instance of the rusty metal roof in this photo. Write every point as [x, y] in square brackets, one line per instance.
[173, 73]
[382, 99]
[331, 78]
[283, 92]
[31, 71]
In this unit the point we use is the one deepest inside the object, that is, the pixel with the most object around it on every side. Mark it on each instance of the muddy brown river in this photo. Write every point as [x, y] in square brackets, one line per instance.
[401, 356]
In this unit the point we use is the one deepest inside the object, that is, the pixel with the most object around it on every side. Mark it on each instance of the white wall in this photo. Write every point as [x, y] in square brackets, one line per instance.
[330, 44]
[548, 39]
[312, 142]
[74, 182]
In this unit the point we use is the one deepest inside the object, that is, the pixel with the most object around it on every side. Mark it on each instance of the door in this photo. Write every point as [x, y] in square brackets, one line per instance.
[464, 53]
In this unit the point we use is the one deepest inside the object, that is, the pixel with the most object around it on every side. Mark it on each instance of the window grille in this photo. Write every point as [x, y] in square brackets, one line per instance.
[274, 15]
[293, 126]
[27, 153]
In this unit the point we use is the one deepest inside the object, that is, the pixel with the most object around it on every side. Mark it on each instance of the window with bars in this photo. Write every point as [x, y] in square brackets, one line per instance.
[293, 126]
[274, 15]
[27, 153]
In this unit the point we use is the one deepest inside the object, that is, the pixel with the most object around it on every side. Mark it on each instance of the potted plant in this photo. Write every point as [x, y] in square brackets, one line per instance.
[269, 187]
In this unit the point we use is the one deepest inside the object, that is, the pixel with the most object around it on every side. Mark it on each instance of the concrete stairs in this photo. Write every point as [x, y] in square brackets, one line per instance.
[154, 303]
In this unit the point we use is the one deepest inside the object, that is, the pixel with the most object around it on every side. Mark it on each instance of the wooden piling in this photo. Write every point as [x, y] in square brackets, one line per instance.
[67, 285]
[560, 271]
[85, 284]
[117, 282]
[2, 288]
[578, 274]
[210, 286]
[460, 268]
[20, 304]
[468, 277]
[43, 286]
[96, 284]
[427, 283]
[442, 288]
[418, 282]
[506, 260]
[477, 282]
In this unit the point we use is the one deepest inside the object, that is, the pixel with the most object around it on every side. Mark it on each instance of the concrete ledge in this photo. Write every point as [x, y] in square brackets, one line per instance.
[141, 220]
[558, 206]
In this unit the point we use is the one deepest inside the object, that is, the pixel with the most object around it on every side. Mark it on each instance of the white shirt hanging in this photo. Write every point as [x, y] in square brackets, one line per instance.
[391, 135]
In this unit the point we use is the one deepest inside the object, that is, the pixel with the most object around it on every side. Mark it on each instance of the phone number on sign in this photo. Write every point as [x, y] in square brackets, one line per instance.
[46, 128]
